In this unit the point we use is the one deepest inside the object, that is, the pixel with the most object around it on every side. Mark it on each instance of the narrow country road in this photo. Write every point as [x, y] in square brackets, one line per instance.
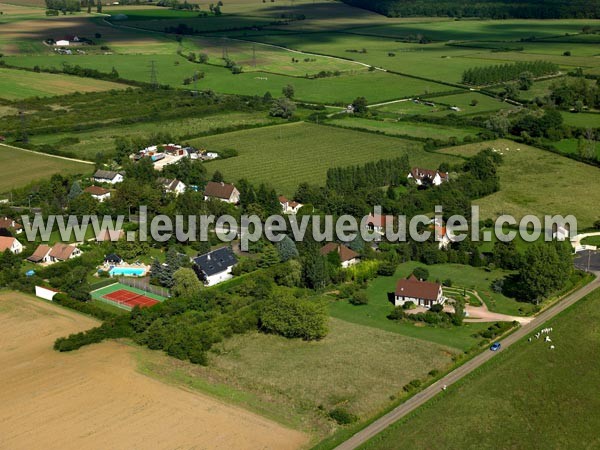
[419, 399]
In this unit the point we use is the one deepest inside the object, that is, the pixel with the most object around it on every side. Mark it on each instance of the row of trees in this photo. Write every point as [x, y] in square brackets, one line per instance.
[494, 9]
[507, 72]
[373, 174]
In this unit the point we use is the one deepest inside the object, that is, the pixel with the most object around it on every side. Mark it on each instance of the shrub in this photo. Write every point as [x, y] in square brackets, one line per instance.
[414, 384]
[421, 273]
[359, 298]
[437, 308]
[396, 314]
[447, 282]
[341, 416]
[386, 269]
[294, 318]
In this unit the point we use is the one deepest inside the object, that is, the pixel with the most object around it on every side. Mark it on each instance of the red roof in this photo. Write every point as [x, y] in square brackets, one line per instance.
[412, 287]
[96, 190]
[377, 220]
[282, 199]
[6, 242]
[346, 254]
[219, 190]
[6, 222]
[419, 174]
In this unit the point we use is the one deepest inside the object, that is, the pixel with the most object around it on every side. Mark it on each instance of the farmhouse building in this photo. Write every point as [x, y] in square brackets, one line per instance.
[172, 186]
[56, 253]
[289, 207]
[424, 176]
[421, 293]
[227, 193]
[108, 176]
[11, 244]
[98, 193]
[214, 267]
[348, 257]
[10, 226]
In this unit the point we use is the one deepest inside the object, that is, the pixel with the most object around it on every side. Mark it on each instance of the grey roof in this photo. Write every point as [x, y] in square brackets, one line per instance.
[105, 174]
[216, 261]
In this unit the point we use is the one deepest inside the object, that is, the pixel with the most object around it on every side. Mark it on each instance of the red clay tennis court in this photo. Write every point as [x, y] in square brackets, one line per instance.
[130, 299]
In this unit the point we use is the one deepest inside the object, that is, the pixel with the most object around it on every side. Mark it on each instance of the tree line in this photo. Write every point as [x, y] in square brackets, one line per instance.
[507, 72]
[493, 9]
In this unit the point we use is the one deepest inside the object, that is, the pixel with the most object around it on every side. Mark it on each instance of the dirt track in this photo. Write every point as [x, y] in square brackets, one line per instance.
[94, 397]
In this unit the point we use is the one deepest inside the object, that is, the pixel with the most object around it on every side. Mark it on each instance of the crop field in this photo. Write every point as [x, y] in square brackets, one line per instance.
[533, 181]
[287, 155]
[20, 167]
[527, 387]
[95, 398]
[18, 84]
[355, 367]
[402, 128]
[588, 120]
[88, 143]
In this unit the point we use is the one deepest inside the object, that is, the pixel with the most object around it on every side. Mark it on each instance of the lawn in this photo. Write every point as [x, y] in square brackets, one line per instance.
[358, 368]
[534, 181]
[375, 313]
[472, 103]
[20, 167]
[287, 155]
[525, 388]
[592, 240]
[19, 84]
[401, 128]
[583, 120]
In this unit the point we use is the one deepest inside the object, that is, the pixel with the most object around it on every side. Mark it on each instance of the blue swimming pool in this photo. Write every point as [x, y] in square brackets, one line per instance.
[127, 271]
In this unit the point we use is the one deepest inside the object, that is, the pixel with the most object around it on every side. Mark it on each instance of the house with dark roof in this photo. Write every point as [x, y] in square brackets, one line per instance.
[215, 267]
[221, 191]
[172, 186]
[108, 176]
[348, 257]
[98, 193]
[421, 293]
[10, 225]
[113, 259]
[427, 176]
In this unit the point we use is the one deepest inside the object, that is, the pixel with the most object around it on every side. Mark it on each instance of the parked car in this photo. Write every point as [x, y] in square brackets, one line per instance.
[495, 346]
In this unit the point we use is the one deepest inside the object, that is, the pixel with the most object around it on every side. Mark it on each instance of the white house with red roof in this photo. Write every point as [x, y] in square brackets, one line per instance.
[422, 176]
[421, 293]
[289, 206]
[11, 244]
[227, 193]
[377, 222]
[98, 193]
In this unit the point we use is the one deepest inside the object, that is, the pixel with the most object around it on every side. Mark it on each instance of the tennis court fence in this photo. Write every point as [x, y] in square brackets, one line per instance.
[144, 285]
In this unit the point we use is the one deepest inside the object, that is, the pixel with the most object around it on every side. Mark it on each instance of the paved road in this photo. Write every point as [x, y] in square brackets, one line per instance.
[414, 402]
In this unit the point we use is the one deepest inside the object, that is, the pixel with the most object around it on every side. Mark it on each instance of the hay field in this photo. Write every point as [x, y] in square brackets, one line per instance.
[19, 84]
[95, 399]
[20, 167]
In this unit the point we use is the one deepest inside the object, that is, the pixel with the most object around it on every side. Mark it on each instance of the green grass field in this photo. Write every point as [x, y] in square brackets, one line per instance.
[533, 181]
[19, 84]
[592, 240]
[525, 388]
[569, 146]
[414, 129]
[20, 167]
[286, 155]
[583, 120]
[472, 103]
[355, 367]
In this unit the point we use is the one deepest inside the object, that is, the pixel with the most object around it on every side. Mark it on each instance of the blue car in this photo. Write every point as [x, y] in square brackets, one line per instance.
[495, 346]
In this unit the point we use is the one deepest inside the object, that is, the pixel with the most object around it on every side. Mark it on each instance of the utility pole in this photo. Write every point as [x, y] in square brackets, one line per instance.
[153, 76]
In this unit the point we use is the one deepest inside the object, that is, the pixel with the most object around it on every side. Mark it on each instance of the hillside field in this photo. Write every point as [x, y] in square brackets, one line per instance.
[20, 167]
[534, 181]
[287, 155]
[18, 84]
[526, 397]
[358, 368]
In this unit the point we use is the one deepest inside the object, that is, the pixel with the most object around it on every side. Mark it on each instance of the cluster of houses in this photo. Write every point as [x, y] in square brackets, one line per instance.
[45, 254]
[163, 155]
[170, 186]
[427, 176]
